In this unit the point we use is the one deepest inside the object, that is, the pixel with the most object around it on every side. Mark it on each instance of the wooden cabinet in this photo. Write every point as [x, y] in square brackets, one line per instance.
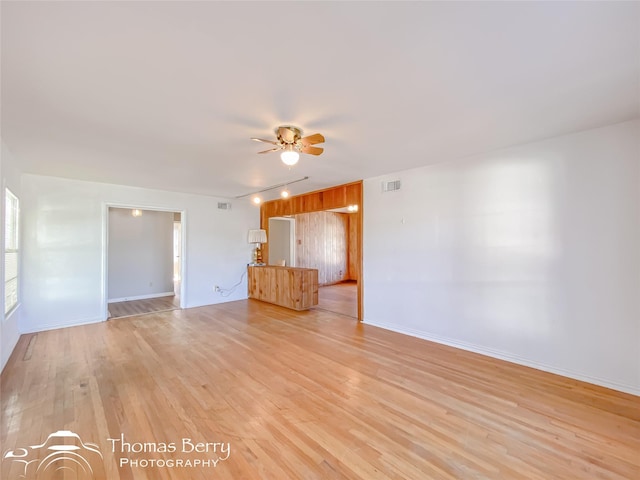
[290, 287]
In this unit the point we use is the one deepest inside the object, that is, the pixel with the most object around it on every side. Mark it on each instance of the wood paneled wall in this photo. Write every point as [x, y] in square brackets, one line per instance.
[352, 247]
[322, 243]
[335, 197]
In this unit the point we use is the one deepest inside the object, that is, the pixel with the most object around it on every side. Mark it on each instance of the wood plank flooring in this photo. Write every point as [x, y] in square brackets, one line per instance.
[142, 307]
[303, 395]
[339, 298]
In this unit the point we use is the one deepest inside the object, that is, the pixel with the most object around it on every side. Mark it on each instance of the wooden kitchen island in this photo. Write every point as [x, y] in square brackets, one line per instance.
[291, 287]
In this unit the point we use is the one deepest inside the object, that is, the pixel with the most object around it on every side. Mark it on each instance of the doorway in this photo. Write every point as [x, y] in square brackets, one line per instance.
[325, 241]
[347, 196]
[144, 261]
[282, 233]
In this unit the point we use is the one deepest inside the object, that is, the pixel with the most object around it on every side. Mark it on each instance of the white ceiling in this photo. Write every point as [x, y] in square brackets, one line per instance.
[167, 94]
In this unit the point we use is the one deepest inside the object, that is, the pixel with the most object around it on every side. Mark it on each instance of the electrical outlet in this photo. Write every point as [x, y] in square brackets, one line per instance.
[216, 288]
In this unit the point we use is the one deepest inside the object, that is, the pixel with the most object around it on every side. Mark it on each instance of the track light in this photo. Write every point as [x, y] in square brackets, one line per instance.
[256, 199]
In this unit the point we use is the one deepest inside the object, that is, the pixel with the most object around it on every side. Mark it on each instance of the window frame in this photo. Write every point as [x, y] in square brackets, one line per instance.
[11, 246]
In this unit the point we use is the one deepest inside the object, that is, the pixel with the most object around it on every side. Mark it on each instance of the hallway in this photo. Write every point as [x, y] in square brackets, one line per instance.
[143, 307]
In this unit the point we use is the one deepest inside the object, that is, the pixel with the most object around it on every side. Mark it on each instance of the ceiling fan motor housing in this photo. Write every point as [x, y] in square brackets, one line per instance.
[288, 134]
[289, 138]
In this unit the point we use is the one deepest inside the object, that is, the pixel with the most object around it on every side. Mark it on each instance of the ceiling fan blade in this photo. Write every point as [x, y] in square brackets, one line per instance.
[272, 142]
[312, 150]
[271, 150]
[312, 139]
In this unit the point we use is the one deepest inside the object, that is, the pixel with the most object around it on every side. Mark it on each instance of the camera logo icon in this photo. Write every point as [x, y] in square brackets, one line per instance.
[62, 454]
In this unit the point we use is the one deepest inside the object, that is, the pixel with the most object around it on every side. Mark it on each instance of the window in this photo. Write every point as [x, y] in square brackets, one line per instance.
[10, 251]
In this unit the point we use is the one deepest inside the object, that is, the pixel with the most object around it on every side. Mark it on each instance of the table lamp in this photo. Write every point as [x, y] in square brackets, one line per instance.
[257, 237]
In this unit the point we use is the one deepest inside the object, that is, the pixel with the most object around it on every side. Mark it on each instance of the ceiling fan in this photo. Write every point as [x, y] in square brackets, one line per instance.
[291, 142]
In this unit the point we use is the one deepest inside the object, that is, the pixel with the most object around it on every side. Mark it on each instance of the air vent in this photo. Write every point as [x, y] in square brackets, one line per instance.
[224, 205]
[391, 186]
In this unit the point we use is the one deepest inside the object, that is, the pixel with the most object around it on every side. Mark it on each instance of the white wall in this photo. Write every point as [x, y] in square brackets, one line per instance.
[9, 325]
[279, 241]
[65, 239]
[140, 258]
[531, 254]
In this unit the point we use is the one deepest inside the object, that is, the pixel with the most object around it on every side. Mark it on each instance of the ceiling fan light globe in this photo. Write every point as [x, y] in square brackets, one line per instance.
[289, 157]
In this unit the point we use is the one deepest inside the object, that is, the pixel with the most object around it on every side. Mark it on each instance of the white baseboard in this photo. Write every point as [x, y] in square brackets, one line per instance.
[55, 326]
[141, 297]
[507, 357]
[232, 298]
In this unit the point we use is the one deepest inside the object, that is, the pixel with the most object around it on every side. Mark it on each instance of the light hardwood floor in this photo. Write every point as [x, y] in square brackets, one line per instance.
[306, 395]
[142, 307]
[339, 298]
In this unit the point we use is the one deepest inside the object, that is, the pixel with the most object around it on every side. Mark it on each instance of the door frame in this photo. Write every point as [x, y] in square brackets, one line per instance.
[292, 237]
[104, 300]
[327, 199]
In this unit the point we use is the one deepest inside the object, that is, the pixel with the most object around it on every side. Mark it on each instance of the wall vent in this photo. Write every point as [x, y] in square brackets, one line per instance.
[391, 186]
[224, 205]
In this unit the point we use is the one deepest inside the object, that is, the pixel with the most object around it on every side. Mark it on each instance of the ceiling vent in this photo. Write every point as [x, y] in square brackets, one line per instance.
[224, 205]
[391, 186]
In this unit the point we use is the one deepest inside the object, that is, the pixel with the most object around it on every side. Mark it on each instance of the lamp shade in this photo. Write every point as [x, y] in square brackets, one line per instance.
[289, 156]
[257, 236]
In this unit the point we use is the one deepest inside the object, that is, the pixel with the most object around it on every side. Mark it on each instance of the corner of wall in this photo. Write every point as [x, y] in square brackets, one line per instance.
[10, 336]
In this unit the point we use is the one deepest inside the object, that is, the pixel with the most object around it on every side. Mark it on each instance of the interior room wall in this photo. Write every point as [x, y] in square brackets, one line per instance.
[321, 243]
[140, 258]
[65, 240]
[10, 177]
[531, 254]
